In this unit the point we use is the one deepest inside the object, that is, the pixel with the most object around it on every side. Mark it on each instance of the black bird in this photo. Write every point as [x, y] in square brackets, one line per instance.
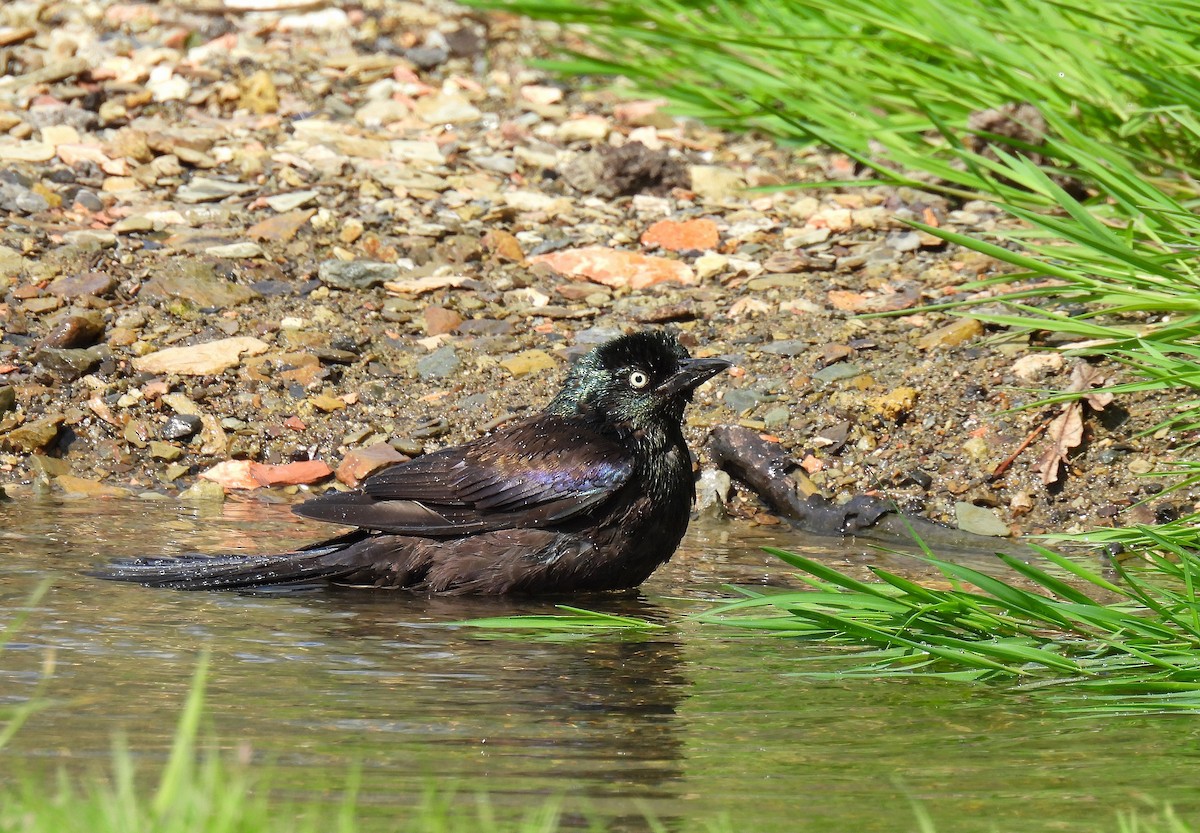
[593, 493]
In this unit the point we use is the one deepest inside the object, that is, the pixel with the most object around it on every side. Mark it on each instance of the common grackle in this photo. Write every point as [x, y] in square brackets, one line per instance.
[593, 493]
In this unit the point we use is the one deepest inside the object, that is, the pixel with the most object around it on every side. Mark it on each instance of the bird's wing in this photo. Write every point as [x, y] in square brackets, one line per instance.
[536, 473]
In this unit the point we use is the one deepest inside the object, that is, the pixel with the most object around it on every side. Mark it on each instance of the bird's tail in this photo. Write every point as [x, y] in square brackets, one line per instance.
[197, 571]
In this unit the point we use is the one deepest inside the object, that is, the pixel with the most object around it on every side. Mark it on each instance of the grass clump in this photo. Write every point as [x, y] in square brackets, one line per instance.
[1133, 642]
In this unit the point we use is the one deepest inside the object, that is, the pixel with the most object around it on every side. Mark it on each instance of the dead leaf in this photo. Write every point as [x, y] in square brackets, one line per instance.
[1065, 433]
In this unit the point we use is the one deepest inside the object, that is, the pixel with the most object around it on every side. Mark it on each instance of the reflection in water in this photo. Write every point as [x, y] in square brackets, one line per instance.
[686, 721]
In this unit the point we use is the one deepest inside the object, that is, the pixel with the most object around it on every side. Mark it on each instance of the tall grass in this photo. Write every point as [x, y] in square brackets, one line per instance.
[1099, 178]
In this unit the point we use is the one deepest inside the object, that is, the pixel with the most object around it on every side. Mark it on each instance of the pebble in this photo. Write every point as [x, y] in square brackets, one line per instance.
[202, 491]
[33, 435]
[615, 267]
[82, 487]
[439, 364]
[787, 347]
[358, 274]
[75, 328]
[716, 183]
[202, 189]
[689, 235]
[8, 399]
[896, 404]
[165, 451]
[235, 250]
[198, 283]
[529, 361]
[713, 489]
[181, 426]
[68, 363]
[951, 335]
[361, 462]
[99, 284]
[291, 200]
[979, 520]
[206, 359]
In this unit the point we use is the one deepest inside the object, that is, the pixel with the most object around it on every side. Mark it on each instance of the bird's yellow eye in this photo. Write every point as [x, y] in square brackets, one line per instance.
[638, 380]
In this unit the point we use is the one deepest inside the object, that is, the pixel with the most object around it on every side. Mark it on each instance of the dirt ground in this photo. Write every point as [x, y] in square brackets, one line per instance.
[233, 241]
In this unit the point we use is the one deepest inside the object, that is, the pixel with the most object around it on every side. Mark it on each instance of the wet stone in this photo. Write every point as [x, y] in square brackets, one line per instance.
[8, 399]
[439, 364]
[33, 435]
[98, 284]
[68, 363]
[164, 451]
[76, 328]
[182, 427]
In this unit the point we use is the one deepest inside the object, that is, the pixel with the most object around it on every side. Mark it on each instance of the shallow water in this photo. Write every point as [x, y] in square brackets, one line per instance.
[688, 722]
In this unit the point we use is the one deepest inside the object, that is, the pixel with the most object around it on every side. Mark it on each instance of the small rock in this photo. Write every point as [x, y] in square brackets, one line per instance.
[979, 520]
[82, 487]
[439, 364]
[586, 129]
[290, 474]
[530, 361]
[689, 235]
[33, 435]
[284, 203]
[777, 417]
[712, 493]
[182, 405]
[98, 284]
[197, 282]
[282, 227]
[231, 474]
[439, 320]
[75, 328]
[895, 405]
[358, 274]
[716, 183]
[235, 250]
[326, 403]
[837, 372]
[951, 335]
[8, 399]
[203, 189]
[165, 451]
[616, 268]
[907, 242]
[206, 359]
[446, 109]
[787, 347]
[203, 490]
[70, 364]
[1037, 366]
[740, 400]
[360, 462]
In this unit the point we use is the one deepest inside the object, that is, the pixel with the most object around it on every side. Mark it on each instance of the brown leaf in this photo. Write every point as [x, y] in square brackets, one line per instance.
[1065, 433]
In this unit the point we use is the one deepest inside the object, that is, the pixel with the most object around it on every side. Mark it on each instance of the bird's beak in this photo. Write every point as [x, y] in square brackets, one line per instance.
[692, 373]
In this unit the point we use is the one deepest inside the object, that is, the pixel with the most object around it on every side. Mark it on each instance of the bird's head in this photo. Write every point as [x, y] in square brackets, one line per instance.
[636, 381]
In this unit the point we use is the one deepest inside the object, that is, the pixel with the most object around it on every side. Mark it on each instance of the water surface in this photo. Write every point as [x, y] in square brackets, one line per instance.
[689, 722]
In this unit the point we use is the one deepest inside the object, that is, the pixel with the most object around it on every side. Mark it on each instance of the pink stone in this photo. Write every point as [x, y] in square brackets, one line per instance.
[232, 474]
[615, 267]
[290, 474]
[688, 235]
